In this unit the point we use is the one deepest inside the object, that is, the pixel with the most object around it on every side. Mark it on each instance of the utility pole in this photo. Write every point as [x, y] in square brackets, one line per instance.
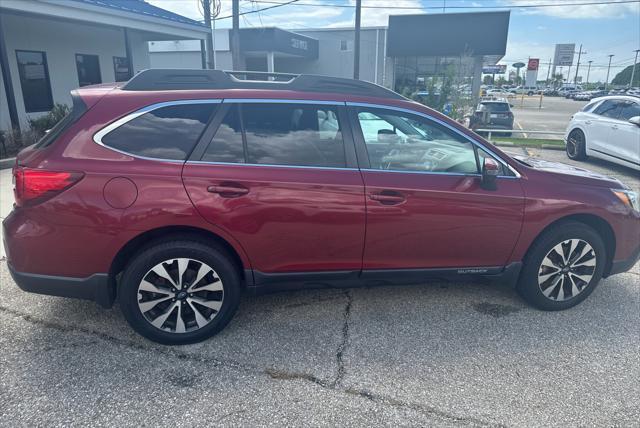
[206, 6]
[356, 47]
[606, 82]
[580, 52]
[588, 70]
[235, 35]
[633, 70]
[548, 71]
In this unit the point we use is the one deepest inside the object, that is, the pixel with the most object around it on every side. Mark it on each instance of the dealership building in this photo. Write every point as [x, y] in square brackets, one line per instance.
[408, 53]
[49, 47]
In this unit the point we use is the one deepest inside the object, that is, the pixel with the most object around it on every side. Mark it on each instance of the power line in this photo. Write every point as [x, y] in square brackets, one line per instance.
[267, 8]
[512, 6]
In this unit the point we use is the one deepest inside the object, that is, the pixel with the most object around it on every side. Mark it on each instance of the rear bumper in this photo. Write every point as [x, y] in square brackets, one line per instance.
[95, 287]
[619, 266]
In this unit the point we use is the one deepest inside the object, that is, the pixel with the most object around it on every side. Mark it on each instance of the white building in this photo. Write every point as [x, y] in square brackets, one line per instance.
[49, 47]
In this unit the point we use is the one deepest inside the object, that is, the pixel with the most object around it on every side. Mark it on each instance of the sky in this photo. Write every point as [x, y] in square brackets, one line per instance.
[602, 29]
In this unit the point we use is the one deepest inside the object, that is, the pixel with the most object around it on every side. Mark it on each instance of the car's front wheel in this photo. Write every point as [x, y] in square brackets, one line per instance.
[576, 145]
[179, 291]
[562, 267]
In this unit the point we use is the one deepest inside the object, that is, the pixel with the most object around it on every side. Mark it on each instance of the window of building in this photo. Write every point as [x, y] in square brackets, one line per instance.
[88, 67]
[344, 45]
[226, 145]
[34, 80]
[405, 142]
[293, 134]
[121, 68]
[165, 133]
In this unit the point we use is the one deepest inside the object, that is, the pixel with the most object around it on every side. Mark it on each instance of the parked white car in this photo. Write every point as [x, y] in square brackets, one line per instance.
[606, 128]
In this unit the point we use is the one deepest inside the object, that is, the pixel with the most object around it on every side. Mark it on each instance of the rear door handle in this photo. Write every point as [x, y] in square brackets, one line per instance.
[228, 190]
[388, 198]
[587, 122]
[614, 126]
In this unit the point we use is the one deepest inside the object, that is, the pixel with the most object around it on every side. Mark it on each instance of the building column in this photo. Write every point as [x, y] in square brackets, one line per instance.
[127, 49]
[271, 62]
[203, 54]
[477, 77]
[6, 79]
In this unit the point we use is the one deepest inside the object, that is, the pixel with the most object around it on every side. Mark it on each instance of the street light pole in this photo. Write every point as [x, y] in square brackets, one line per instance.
[580, 52]
[356, 47]
[633, 70]
[588, 70]
[210, 60]
[606, 82]
[235, 35]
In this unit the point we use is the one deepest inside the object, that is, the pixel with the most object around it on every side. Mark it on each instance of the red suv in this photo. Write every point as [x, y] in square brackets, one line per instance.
[182, 188]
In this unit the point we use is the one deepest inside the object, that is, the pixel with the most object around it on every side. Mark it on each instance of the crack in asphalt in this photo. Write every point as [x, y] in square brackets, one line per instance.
[280, 375]
[345, 340]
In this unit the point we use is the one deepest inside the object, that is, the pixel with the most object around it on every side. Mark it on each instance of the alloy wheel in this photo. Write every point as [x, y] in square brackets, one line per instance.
[573, 144]
[567, 269]
[180, 295]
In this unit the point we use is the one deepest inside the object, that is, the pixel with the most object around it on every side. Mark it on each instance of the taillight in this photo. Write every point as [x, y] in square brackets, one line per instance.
[33, 186]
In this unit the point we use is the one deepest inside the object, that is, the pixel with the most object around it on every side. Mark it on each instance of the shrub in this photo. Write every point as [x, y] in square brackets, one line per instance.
[41, 124]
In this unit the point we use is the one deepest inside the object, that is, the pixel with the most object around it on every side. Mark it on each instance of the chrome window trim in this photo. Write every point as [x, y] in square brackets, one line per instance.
[332, 168]
[98, 136]
[446, 125]
[280, 101]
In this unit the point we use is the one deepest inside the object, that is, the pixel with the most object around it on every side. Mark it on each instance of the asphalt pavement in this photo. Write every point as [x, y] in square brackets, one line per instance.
[553, 115]
[438, 354]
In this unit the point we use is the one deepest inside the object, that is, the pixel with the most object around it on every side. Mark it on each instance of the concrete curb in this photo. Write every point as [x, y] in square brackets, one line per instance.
[7, 163]
[552, 147]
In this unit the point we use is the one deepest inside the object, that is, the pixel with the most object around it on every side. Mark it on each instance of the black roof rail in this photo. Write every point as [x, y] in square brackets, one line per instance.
[159, 79]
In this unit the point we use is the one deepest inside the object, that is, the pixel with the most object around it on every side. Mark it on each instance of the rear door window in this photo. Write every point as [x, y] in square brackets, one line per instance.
[165, 133]
[629, 110]
[226, 145]
[293, 134]
[609, 108]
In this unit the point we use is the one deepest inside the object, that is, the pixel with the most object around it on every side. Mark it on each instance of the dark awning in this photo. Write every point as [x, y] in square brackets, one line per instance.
[277, 40]
[448, 34]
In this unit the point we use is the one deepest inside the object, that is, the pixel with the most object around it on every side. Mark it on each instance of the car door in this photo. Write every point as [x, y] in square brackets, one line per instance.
[281, 178]
[425, 206]
[599, 128]
[625, 136]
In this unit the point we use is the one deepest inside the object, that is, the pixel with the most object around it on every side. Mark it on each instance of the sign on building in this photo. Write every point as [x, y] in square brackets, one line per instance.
[494, 69]
[563, 56]
[533, 64]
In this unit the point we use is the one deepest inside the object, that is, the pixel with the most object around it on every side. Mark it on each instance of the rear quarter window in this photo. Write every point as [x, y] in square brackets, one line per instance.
[168, 132]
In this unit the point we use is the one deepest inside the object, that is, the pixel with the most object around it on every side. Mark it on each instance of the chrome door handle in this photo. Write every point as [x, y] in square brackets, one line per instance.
[614, 126]
[587, 122]
[228, 191]
[388, 198]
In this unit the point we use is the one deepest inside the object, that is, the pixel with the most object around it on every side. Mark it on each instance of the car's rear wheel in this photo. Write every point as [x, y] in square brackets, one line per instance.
[179, 291]
[562, 267]
[576, 145]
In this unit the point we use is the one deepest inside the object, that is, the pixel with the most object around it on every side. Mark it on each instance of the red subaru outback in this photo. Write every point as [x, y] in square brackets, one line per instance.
[182, 188]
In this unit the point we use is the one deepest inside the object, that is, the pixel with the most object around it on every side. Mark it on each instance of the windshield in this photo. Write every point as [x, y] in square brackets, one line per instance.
[497, 107]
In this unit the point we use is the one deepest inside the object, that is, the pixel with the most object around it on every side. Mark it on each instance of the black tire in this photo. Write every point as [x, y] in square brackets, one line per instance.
[576, 145]
[529, 93]
[180, 247]
[528, 286]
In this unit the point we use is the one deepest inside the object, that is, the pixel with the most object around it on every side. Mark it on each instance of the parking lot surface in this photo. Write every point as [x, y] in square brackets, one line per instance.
[438, 354]
[553, 116]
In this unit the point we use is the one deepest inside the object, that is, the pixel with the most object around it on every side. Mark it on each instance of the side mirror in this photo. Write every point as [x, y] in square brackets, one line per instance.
[490, 171]
[388, 136]
[635, 120]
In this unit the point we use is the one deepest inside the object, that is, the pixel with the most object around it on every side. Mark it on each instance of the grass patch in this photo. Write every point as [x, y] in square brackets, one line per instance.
[528, 142]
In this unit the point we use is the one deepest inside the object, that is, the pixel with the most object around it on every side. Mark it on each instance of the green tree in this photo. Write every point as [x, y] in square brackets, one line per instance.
[624, 76]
